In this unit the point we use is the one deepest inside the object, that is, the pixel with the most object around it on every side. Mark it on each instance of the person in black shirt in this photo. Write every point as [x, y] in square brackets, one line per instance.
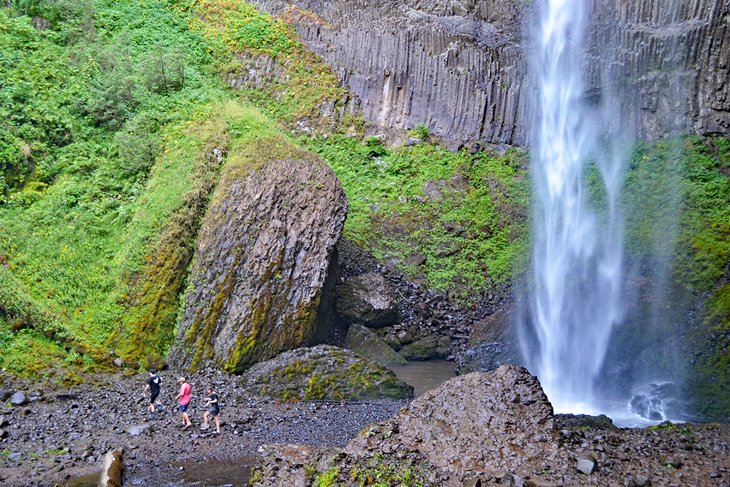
[153, 385]
[213, 410]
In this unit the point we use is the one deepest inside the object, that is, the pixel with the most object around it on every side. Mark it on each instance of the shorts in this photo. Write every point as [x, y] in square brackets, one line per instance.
[214, 411]
[153, 397]
[183, 407]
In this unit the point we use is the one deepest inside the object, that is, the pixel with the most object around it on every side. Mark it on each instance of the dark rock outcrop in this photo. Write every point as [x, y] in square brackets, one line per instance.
[367, 299]
[263, 257]
[325, 372]
[491, 343]
[459, 67]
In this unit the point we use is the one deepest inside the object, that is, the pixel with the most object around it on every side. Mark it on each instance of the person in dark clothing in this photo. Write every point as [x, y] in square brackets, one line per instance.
[153, 385]
[213, 410]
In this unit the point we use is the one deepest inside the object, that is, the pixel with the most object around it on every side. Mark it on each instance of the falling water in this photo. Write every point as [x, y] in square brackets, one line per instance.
[577, 251]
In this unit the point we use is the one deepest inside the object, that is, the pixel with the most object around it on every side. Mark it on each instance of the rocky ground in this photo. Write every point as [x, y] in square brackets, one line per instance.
[499, 428]
[61, 434]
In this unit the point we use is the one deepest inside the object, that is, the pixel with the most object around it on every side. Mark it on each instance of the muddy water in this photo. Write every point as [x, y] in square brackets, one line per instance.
[188, 474]
[424, 376]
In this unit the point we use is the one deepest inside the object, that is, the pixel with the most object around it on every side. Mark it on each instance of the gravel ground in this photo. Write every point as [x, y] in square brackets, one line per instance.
[62, 434]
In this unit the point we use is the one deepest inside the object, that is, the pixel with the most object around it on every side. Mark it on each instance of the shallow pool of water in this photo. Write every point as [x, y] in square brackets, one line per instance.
[424, 376]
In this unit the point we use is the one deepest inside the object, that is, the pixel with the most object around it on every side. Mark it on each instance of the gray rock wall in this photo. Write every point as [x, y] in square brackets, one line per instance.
[458, 66]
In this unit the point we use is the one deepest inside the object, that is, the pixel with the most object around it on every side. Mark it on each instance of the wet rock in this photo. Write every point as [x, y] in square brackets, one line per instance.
[584, 421]
[585, 466]
[423, 349]
[491, 343]
[368, 299]
[367, 343]
[392, 341]
[325, 372]
[18, 399]
[112, 469]
[263, 259]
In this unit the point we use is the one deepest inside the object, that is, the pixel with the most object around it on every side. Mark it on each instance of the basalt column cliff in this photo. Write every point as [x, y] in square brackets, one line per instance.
[458, 66]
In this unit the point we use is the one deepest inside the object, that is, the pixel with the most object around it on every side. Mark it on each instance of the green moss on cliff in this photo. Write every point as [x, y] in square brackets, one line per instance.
[466, 214]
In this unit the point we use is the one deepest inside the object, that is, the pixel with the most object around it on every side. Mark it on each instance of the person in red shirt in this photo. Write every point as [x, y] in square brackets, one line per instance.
[184, 397]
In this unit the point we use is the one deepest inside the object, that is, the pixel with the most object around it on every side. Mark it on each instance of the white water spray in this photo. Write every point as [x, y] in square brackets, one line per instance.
[577, 254]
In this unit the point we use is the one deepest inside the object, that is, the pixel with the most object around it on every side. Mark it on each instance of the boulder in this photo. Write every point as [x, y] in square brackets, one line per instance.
[426, 348]
[368, 299]
[367, 343]
[473, 423]
[325, 372]
[18, 399]
[491, 343]
[263, 259]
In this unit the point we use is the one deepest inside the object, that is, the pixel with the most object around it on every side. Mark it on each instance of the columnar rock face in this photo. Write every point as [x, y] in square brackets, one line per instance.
[263, 257]
[459, 66]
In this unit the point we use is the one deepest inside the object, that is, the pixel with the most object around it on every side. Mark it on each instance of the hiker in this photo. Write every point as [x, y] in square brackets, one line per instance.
[213, 410]
[184, 397]
[153, 385]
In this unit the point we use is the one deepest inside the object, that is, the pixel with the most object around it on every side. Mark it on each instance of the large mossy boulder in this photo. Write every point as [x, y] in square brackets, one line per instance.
[367, 343]
[325, 372]
[263, 258]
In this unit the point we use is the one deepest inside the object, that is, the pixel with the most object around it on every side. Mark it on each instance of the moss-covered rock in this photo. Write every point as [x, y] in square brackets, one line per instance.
[367, 343]
[263, 256]
[325, 372]
[426, 348]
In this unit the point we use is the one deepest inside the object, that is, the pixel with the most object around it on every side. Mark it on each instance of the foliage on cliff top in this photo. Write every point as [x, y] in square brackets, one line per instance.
[238, 33]
[466, 214]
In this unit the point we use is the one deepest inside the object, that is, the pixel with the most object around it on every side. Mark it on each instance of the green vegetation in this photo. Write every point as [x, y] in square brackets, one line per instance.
[110, 113]
[465, 214]
[376, 471]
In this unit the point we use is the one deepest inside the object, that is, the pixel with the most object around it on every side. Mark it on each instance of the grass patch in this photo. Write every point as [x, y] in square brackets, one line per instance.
[465, 214]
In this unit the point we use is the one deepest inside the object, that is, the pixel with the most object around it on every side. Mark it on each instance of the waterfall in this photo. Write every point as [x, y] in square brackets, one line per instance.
[577, 250]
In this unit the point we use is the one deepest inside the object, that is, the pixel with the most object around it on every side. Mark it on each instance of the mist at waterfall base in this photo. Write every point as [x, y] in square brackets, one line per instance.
[583, 301]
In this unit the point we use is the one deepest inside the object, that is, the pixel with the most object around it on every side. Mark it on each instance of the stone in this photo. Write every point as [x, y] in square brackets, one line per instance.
[18, 399]
[404, 337]
[264, 263]
[491, 343]
[447, 249]
[585, 466]
[15, 457]
[368, 299]
[3, 434]
[324, 372]
[119, 362]
[112, 469]
[138, 429]
[423, 349]
[413, 141]
[415, 259]
[367, 343]
[4, 394]
[392, 341]
[642, 480]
